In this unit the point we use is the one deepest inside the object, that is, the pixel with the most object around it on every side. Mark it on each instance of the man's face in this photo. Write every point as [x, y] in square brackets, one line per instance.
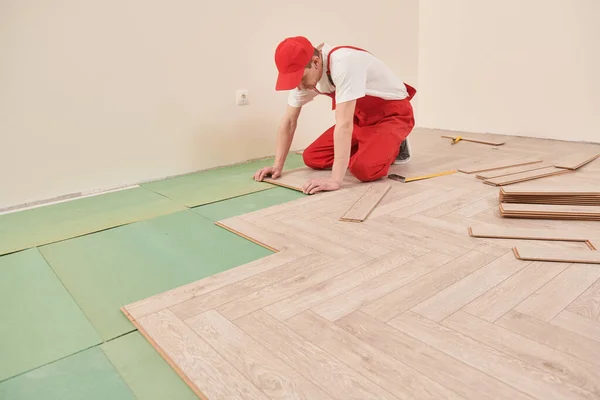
[312, 75]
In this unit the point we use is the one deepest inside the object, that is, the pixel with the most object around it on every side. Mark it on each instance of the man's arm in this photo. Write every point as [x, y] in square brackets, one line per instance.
[285, 135]
[342, 139]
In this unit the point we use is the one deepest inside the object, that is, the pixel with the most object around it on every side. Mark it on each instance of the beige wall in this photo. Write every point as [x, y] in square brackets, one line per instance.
[518, 67]
[95, 95]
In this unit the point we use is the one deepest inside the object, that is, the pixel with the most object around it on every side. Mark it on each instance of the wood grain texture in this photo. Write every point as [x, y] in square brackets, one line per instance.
[360, 210]
[576, 161]
[497, 165]
[408, 304]
[526, 176]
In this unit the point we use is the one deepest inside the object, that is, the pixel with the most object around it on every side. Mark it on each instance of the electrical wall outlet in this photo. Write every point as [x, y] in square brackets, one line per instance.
[241, 97]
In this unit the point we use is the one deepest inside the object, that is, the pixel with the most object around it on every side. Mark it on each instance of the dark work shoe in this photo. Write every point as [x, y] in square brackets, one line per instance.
[404, 155]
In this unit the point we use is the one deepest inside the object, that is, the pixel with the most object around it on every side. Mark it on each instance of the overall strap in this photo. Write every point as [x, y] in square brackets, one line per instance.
[328, 71]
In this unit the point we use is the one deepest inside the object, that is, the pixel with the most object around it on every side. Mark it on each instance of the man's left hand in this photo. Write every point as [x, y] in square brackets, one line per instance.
[320, 185]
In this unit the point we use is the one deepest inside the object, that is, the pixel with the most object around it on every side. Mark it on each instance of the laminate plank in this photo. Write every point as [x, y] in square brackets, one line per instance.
[461, 293]
[214, 298]
[511, 170]
[302, 238]
[531, 253]
[578, 160]
[430, 203]
[511, 370]
[407, 232]
[323, 229]
[366, 203]
[557, 294]
[411, 294]
[508, 294]
[588, 304]
[526, 176]
[321, 292]
[187, 292]
[562, 365]
[333, 376]
[406, 202]
[316, 275]
[460, 202]
[500, 232]
[366, 231]
[444, 369]
[578, 324]
[497, 165]
[477, 207]
[551, 335]
[446, 230]
[384, 370]
[550, 209]
[267, 372]
[371, 290]
[296, 178]
[201, 364]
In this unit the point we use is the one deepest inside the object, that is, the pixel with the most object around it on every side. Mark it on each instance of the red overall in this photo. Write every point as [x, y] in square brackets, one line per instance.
[380, 126]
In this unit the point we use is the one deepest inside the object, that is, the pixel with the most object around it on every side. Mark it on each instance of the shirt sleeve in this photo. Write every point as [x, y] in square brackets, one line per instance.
[298, 98]
[350, 78]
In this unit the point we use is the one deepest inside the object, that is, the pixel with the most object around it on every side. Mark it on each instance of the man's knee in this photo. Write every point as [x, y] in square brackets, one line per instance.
[314, 160]
[368, 172]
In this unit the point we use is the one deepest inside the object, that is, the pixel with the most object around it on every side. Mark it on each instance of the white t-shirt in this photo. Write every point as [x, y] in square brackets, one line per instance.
[355, 74]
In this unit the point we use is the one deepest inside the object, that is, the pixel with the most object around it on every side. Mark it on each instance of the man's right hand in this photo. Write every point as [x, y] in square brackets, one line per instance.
[265, 172]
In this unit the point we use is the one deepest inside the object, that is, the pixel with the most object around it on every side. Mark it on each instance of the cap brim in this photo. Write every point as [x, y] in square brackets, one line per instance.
[289, 81]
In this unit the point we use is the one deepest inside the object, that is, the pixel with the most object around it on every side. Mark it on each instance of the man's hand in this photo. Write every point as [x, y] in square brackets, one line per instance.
[273, 172]
[318, 185]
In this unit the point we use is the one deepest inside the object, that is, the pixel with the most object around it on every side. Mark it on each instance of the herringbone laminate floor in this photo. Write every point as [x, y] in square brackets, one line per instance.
[405, 305]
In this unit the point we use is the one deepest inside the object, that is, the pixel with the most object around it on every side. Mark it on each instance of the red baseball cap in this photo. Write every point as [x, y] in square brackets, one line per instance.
[291, 57]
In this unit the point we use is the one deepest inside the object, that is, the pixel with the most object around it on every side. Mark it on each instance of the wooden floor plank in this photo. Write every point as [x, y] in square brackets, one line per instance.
[524, 233]
[332, 375]
[497, 165]
[375, 288]
[552, 335]
[578, 160]
[208, 370]
[406, 297]
[511, 370]
[531, 253]
[578, 324]
[508, 294]
[463, 379]
[315, 274]
[456, 296]
[319, 293]
[557, 294]
[267, 372]
[208, 301]
[562, 365]
[588, 304]
[360, 210]
[386, 371]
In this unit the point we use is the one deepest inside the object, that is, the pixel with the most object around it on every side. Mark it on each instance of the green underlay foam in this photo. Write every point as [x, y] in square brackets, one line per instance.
[247, 203]
[39, 321]
[207, 187]
[109, 269]
[86, 375]
[48, 224]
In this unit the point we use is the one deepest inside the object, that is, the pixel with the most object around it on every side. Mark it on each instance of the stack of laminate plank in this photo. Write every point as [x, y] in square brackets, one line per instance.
[573, 196]
[550, 211]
